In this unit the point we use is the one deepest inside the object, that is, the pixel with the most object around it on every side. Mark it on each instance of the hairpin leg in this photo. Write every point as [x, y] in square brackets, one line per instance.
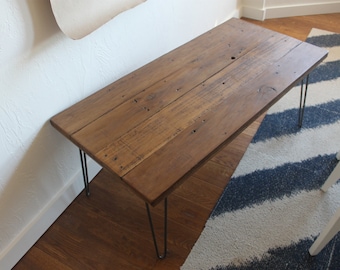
[85, 171]
[303, 96]
[165, 229]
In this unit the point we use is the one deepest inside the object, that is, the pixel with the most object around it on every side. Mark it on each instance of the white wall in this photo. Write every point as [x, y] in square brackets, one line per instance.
[267, 9]
[43, 72]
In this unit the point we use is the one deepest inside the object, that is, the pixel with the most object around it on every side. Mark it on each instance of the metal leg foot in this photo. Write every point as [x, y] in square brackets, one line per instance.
[303, 96]
[85, 171]
[159, 256]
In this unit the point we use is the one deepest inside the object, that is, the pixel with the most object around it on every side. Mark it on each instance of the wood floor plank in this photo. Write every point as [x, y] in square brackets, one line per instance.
[111, 232]
[40, 259]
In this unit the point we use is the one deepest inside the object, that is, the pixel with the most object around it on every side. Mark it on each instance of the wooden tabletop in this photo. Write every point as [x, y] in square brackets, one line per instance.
[156, 125]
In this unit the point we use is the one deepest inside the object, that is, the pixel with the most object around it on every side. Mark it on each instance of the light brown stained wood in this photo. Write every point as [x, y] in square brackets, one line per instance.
[94, 131]
[95, 106]
[162, 127]
[74, 242]
[151, 140]
[155, 176]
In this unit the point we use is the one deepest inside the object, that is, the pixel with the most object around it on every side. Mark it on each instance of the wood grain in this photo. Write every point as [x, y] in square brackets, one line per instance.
[223, 81]
[156, 176]
[85, 236]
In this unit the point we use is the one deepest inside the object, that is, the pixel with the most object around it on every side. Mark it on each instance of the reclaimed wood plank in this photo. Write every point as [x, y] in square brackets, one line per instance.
[42, 256]
[124, 150]
[155, 178]
[101, 102]
[157, 124]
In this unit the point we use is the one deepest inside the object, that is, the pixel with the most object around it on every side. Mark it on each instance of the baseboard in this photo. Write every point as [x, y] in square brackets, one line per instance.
[45, 218]
[258, 13]
[254, 13]
[302, 10]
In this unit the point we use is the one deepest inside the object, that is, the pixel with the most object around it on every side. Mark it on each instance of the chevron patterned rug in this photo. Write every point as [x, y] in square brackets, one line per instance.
[273, 209]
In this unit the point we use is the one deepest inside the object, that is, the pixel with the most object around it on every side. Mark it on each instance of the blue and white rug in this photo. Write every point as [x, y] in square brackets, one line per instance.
[273, 209]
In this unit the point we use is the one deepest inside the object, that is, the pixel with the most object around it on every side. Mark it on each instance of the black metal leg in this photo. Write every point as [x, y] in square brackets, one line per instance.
[85, 171]
[303, 96]
[165, 229]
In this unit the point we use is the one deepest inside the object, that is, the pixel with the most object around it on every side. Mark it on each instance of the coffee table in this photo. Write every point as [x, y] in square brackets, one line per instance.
[154, 127]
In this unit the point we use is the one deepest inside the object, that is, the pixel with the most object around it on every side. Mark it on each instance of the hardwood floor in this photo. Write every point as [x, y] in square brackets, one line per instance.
[110, 230]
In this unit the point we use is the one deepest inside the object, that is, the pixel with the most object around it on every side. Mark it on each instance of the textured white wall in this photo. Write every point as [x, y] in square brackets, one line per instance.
[43, 72]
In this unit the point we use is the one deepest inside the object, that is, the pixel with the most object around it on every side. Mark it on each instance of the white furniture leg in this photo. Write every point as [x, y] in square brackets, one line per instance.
[331, 229]
[333, 226]
[332, 178]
